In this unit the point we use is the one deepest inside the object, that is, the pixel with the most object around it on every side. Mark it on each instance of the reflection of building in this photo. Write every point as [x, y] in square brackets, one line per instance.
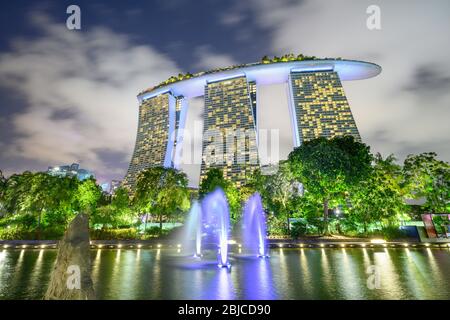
[231, 107]
[72, 170]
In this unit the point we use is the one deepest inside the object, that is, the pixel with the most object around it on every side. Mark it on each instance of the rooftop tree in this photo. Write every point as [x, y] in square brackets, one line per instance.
[329, 167]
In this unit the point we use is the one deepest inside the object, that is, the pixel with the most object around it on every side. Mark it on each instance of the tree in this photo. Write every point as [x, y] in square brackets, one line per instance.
[88, 195]
[329, 167]
[426, 176]
[161, 191]
[214, 179]
[280, 191]
[380, 196]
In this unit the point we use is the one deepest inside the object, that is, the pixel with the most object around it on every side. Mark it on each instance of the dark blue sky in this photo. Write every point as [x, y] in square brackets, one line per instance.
[70, 95]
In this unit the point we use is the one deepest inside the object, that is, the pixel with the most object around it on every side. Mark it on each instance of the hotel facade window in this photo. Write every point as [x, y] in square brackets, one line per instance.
[229, 139]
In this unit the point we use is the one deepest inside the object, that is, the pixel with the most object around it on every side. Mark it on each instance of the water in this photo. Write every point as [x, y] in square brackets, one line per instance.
[288, 274]
[216, 223]
[254, 227]
[192, 241]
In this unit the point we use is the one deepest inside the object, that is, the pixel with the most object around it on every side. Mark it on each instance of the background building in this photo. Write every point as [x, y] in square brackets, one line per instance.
[72, 170]
[231, 101]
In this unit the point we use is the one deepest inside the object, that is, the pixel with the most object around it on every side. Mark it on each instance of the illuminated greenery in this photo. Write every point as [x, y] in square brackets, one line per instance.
[329, 167]
[161, 191]
[214, 179]
[320, 179]
[265, 60]
[428, 177]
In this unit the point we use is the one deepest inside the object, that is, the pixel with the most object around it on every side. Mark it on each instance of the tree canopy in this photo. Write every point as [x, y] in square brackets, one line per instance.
[329, 167]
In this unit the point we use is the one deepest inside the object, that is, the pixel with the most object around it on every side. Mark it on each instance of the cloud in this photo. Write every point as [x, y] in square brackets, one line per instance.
[409, 47]
[80, 89]
[207, 59]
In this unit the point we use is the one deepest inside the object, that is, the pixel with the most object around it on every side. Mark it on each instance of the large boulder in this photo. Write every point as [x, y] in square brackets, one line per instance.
[71, 276]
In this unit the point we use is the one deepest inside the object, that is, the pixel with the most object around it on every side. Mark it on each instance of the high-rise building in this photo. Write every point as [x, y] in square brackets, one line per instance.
[319, 107]
[229, 139]
[72, 170]
[315, 97]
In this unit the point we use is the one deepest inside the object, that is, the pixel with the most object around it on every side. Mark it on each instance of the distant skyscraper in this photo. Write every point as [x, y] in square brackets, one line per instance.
[316, 100]
[72, 170]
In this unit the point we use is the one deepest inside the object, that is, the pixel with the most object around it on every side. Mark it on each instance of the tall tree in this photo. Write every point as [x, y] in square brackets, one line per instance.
[428, 177]
[161, 191]
[280, 191]
[88, 195]
[328, 167]
[380, 197]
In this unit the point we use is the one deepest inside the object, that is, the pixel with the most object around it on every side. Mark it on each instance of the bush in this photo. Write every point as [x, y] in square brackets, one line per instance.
[299, 229]
[15, 233]
[114, 234]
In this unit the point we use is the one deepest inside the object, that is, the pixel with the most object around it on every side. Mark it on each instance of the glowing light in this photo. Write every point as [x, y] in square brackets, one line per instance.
[427, 244]
[100, 246]
[178, 245]
[301, 245]
[363, 245]
[119, 246]
[240, 245]
[406, 245]
[43, 246]
[377, 241]
[5, 246]
[342, 245]
[322, 245]
[139, 246]
[159, 246]
[24, 246]
[231, 241]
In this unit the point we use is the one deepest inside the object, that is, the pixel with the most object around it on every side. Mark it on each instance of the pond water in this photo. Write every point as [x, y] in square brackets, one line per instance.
[340, 273]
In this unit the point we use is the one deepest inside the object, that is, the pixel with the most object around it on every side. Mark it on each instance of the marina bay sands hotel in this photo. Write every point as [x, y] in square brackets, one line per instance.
[316, 102]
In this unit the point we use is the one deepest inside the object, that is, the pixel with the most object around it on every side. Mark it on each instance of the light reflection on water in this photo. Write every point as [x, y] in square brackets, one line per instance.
[288, 274]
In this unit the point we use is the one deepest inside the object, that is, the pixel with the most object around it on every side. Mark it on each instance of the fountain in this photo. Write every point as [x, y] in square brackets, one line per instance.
[216, 219]
[194, 230]
[254, 227]
[208, 226]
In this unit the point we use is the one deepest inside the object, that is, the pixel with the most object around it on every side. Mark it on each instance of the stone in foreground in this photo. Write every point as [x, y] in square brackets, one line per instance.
[71, 276]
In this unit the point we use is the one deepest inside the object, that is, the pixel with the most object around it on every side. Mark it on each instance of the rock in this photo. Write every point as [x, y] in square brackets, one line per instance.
[71, 276]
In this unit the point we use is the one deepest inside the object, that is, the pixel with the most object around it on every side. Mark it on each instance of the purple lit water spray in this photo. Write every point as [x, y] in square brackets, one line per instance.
[254, 227]
[217, 223]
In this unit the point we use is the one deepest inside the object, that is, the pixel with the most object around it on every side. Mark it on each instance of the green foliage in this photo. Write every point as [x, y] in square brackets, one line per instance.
[329, 167]
[380, 197]
[426, 176]
[88, 195]
[161, 191]
[214, 179]
[114, 234]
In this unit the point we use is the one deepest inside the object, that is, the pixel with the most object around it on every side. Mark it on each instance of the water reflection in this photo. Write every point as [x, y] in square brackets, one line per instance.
[340, 273]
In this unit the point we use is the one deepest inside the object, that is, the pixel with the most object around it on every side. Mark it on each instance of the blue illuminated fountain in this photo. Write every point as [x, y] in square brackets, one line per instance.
[254, 227]
[194, 230]
[216, 223]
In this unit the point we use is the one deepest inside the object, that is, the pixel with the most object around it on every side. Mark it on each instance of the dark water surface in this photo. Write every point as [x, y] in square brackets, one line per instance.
[288, 274]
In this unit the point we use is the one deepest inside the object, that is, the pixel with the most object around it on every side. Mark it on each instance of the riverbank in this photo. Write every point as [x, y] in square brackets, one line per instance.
[322, 242]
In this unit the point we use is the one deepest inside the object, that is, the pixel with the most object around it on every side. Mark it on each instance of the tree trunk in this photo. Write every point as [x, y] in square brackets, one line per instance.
[325, 216]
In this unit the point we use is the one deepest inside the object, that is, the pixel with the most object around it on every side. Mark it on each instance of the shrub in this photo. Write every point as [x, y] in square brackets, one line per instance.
[114, 234]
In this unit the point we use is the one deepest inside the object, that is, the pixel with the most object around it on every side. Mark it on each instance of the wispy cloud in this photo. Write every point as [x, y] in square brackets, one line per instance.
[80, 89]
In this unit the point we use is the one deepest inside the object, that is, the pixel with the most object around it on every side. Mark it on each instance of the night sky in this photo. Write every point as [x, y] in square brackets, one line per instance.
[70, 95]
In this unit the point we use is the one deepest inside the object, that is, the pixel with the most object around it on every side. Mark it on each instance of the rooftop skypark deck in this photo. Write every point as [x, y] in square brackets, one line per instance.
[268, 71]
